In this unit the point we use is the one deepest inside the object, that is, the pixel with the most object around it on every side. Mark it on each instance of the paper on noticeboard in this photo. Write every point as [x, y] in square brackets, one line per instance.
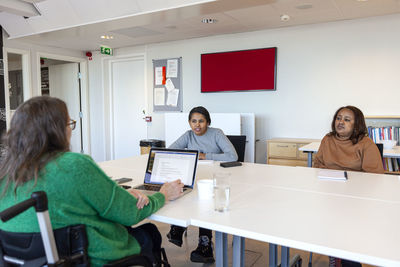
[173, 98]
[159, 96]
[169, 85]
[172, 68]
[158, 73]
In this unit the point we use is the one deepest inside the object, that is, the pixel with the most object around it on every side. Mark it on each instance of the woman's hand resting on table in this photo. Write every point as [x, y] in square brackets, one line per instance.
[172, 190]
[142, 199]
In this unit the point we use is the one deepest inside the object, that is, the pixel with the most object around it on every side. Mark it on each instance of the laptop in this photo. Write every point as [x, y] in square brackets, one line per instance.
[167, 165]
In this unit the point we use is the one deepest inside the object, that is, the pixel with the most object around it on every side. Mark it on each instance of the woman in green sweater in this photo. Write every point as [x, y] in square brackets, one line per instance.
[37, 158]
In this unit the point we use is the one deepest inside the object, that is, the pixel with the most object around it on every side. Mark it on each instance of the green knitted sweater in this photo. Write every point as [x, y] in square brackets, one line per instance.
[79, 192]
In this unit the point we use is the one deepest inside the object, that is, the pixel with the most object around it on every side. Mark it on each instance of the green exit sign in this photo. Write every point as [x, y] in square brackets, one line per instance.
[106, 50]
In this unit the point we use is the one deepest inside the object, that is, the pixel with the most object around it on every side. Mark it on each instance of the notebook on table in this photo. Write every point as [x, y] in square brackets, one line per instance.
[167, 165]
[333, 175]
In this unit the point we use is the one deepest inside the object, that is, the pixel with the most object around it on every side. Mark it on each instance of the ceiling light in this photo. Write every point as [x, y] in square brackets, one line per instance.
[209, 21]
[285, 17]
[107, 37]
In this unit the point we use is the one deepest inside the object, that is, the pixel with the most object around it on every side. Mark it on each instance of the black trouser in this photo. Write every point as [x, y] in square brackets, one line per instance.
[149, 239]
[207, 232]
[202, 231]
[347, 263]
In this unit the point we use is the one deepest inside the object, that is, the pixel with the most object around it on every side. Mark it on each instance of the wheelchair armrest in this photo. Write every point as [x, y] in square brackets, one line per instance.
[13, 211]
[38, 200]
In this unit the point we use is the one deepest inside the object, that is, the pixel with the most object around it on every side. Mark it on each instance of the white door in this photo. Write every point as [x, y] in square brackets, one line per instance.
[64, 84]
[128, 102]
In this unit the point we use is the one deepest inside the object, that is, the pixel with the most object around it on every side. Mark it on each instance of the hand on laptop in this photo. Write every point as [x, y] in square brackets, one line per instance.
[172, 190]
[142, 199]
[202, 156]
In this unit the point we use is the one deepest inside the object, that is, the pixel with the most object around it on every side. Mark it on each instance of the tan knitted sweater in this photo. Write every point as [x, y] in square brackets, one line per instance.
[344, 155]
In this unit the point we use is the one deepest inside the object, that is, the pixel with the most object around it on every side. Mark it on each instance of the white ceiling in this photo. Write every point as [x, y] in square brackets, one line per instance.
[78, 24]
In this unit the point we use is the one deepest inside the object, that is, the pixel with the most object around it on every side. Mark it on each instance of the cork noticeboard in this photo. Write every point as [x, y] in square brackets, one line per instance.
[167, 84]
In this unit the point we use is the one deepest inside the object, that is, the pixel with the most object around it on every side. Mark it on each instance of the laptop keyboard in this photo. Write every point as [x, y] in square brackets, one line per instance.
[149, 187]
[125, 187]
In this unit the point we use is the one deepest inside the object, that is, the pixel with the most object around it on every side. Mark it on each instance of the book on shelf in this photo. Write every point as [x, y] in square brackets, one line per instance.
[377, 134]
[384, 133]
[395, 165]
[391, 164]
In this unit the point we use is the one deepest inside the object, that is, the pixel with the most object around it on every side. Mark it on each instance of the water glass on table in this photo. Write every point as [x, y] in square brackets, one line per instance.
[222, 185]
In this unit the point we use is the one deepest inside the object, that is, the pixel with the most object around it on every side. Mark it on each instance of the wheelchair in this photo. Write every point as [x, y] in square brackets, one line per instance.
[62, 247]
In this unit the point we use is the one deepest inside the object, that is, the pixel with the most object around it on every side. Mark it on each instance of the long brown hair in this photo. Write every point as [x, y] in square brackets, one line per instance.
[360, 128]
[37, 134]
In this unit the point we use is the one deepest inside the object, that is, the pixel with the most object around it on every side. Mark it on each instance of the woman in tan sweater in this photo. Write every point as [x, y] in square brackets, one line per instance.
[347, 146]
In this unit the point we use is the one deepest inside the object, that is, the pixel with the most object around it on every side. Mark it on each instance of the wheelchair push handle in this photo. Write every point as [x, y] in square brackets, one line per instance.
[37, 200]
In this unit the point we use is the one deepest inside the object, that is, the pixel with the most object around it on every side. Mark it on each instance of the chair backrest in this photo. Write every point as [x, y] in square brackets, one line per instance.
[239, 142]
[380, 147]
[72, 243]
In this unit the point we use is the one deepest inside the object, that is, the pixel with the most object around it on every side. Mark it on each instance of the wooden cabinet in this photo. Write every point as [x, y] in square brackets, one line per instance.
[285, 151]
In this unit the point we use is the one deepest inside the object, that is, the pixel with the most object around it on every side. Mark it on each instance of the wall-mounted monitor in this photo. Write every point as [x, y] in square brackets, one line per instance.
[244, 70]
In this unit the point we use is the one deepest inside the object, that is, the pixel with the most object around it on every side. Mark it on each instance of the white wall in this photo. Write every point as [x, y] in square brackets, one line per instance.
[319, 68]
[34, 50]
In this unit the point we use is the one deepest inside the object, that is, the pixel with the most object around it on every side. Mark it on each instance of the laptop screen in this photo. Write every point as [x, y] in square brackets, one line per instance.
[167, 165]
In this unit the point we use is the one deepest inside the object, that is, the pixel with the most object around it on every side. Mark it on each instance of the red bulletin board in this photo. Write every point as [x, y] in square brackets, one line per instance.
[244, 70]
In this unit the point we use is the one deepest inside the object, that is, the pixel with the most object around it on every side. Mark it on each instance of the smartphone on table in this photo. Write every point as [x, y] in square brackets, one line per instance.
[123, 180]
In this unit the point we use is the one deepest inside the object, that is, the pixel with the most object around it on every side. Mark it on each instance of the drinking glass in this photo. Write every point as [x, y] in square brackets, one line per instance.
[222, 185]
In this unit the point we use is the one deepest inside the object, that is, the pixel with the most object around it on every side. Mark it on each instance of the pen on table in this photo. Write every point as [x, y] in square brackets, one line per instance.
[345, 174]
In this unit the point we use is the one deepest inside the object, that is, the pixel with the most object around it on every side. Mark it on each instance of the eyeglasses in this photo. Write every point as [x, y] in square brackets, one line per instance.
[72, 124]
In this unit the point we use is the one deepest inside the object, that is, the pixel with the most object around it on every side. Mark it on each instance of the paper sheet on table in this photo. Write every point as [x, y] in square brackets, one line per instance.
[169, 85]
[158, 75]
[172, 68]
[173, 98]
[159, 96]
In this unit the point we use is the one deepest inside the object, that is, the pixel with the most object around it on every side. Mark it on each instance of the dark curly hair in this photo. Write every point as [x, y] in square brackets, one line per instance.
[360, 128]
[37, 135]
[203, 111]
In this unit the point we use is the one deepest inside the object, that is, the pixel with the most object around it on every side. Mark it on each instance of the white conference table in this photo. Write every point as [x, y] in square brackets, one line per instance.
[288, 206]
[314, 146]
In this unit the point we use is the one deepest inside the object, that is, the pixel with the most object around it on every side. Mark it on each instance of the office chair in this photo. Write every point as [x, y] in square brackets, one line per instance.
[46, 247]
[239, 142]
[380, 147]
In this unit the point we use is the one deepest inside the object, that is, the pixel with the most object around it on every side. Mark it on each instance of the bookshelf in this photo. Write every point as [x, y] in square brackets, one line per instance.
[381, 125]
